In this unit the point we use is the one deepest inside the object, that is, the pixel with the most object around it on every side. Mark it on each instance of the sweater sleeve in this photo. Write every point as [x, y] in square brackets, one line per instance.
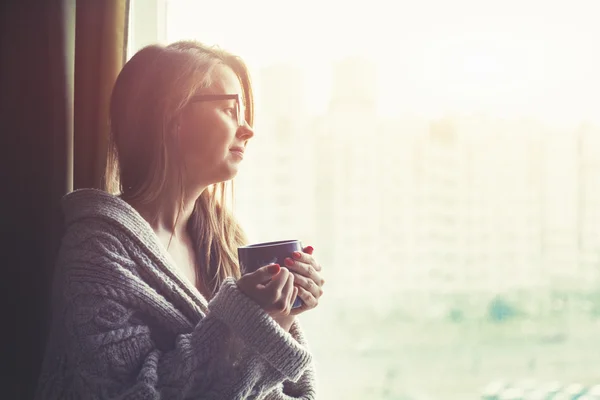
[115, 352]
[302, 389]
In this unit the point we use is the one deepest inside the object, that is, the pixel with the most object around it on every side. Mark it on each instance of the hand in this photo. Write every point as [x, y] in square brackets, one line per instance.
[272, 288]
[307, 278]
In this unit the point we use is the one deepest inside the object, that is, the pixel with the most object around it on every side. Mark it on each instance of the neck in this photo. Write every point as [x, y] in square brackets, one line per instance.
[168, 215]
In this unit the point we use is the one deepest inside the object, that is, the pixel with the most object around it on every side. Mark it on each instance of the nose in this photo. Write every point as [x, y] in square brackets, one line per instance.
[245, 132]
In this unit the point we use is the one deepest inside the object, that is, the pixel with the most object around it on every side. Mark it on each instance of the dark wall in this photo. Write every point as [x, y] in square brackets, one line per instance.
[34, 113]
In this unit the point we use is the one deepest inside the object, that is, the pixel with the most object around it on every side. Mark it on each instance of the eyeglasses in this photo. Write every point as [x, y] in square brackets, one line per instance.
[239, 106]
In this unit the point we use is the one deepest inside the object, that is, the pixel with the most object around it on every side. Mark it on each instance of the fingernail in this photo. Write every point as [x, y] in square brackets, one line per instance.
[297, 254]
[310, 249]
[289, 262]
[273, 269]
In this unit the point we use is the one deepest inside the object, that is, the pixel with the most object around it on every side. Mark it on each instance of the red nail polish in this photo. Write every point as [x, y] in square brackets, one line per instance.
[289, 262]
[273, 269]
[297, 254]
[310, 249]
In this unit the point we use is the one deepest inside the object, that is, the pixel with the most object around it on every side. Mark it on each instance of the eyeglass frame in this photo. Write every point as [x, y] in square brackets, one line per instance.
[241, 111]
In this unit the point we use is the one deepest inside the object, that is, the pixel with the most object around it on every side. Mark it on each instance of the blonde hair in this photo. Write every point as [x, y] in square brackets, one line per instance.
[150, 92]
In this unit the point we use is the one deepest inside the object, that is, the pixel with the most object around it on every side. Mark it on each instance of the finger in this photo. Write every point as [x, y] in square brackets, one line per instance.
[294, 295]
[273, 294]
[288, 292]
[303, 257]
[309, 300]
[306, 258]
[264, 274]
[304, 269]
[308, 250]
[307, 284]
[278, 281]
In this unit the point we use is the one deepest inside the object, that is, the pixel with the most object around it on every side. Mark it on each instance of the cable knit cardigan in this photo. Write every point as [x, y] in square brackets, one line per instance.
[126, 325]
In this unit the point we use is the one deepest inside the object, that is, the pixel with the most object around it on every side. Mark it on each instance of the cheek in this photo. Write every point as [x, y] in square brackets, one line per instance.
[192, 131]
[203, 144]
[205, 137]
[193, 144]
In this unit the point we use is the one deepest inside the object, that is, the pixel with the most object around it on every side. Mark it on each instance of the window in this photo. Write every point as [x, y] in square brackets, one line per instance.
[488, 114]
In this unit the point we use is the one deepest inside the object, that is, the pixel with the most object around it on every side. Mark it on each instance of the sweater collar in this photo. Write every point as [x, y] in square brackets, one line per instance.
[94, 203]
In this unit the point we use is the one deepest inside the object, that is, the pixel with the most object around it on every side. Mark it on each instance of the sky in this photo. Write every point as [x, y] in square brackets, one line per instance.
[508, 58]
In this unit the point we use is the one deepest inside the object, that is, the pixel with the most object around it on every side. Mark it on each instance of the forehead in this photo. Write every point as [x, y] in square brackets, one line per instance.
[224, 81]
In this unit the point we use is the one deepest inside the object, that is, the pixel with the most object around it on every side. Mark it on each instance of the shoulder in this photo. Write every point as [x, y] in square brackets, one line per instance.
[98, 238]
[92, 238]
[98, 224]
[94, 252]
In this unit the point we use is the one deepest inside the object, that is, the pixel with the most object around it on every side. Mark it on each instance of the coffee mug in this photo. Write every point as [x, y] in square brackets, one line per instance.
[257, 255]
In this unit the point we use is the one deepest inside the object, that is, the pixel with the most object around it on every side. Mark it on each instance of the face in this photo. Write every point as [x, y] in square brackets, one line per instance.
[211, 139]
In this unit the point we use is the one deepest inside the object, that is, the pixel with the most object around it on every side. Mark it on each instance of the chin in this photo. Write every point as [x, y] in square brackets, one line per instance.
[228, 174]
[225, 173]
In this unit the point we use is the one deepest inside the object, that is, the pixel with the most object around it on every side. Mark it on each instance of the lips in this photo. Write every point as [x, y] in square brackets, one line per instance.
[238, 151]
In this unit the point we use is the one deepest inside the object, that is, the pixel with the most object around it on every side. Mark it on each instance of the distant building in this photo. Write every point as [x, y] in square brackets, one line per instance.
[417, 209]
[589, 206]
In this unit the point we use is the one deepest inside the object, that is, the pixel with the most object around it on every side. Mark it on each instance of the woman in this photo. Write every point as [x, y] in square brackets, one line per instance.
[148, 299]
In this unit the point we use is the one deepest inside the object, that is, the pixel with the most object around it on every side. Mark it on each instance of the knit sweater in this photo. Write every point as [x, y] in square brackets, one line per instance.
[127, 325]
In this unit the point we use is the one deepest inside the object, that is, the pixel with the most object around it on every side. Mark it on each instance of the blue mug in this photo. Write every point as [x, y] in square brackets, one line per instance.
[254, 256]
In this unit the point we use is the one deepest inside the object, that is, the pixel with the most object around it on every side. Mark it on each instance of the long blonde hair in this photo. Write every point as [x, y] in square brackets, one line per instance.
[150, 92]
